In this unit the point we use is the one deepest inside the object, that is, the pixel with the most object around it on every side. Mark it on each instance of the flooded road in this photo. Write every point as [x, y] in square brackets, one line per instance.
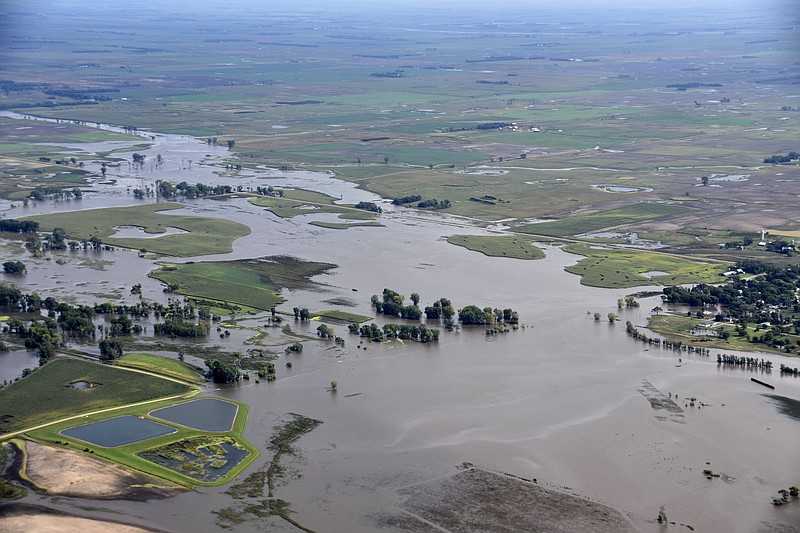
[566, 399]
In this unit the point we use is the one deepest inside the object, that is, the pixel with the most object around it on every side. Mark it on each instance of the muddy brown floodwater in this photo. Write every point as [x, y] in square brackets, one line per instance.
[568, 400]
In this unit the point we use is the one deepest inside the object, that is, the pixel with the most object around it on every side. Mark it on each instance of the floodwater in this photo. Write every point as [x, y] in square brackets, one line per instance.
[558, 400]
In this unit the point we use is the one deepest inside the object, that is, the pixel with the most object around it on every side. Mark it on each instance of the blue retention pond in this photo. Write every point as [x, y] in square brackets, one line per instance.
[118, 431]
[206, 414]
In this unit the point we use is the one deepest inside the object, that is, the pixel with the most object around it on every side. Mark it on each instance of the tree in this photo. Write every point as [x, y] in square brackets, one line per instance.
[231, 144]
[14, 267]
[597, 316]
[325, 331]
[612, 317]
[221, 372]
[110, 350]
[334, 384]
[415, 298]
[704, 179]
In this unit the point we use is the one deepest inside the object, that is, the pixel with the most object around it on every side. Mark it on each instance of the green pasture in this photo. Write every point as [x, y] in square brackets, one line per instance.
[127, 454]
[45, 395]
[621, 268]
[205, 235]
[343, 317]
[513, 247]
[160, 365]
[253, 283]
[297, 202]
[611, 218]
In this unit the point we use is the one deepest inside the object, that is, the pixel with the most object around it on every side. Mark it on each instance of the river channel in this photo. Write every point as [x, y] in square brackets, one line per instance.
[562, 400]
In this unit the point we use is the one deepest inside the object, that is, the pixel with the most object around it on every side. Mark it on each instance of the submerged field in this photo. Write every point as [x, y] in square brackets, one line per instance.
[201, 235]
[253, 284]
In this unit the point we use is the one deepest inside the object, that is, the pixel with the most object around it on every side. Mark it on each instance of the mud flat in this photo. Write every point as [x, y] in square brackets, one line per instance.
[479, 500]
[70, 473]
[43, 520]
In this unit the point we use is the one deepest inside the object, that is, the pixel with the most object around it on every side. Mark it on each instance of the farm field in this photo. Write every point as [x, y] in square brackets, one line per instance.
[47, 395]
[419, 112]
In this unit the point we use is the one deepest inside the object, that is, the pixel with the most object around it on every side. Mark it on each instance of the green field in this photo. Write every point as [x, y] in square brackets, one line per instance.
[204, 235]
[296, 202]
[160, 365]
[499, 246]
[46, 395]
[342, 317]
[254, 283]
[618, 268]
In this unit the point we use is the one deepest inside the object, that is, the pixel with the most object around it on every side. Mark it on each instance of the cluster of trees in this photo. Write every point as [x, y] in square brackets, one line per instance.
[18, 226]
[222, 372]
[40, 194]
[778, 159]
[474, 315]
[57, 240]
[180, 328]
[418, 332]
[441, 308]
[301, 314]
[433, 203]
[14, 267]
[407, 199]
[168, 190]
[769, 298]
[391, 303]
[110, 349]
[369, 206]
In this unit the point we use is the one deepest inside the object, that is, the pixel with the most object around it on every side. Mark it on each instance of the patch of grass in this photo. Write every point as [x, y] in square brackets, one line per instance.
[342, 316]
[296, 202]
[618, 268]
[339, 225]
[254, 283]
[160, 365]
[45, 395]
[499, 246]
[205, 235]
[610, 218]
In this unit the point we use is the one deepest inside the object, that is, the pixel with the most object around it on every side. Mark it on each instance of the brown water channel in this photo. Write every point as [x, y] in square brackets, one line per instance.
[563, 399]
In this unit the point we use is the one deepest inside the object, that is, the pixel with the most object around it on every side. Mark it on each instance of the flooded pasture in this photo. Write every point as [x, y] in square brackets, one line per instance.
[559, 399]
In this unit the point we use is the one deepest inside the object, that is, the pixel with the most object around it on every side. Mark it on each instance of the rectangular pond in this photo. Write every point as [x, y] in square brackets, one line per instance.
[201, 458]
[118, 431]
[205, 414]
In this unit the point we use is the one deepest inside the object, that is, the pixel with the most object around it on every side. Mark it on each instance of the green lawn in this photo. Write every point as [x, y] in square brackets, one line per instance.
[46, 395]
[617, 268]
[160, 365]
[499, 246]
[204, 235]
